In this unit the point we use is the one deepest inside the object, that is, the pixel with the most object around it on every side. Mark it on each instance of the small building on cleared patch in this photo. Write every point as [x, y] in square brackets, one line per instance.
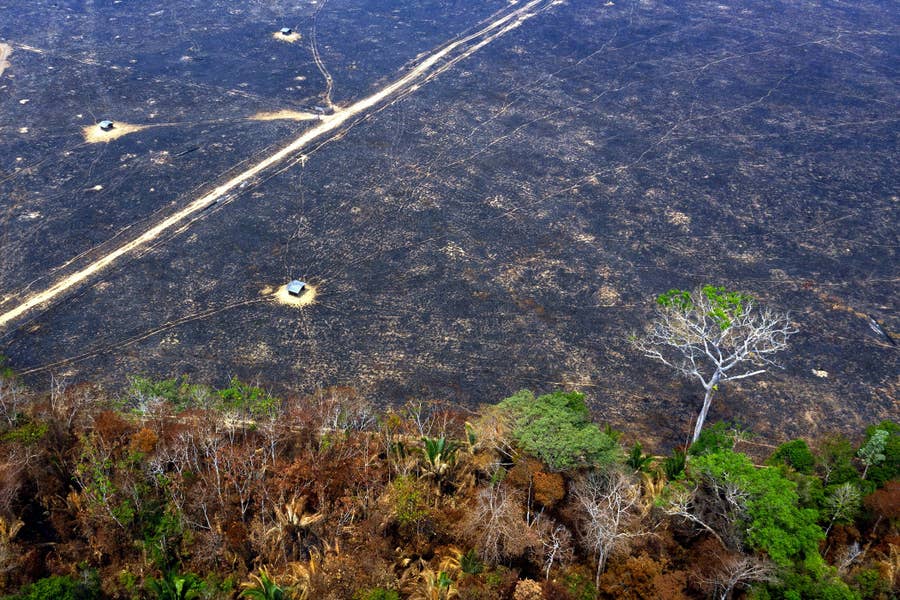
[296, 287]
[286, 31]
[105, 125]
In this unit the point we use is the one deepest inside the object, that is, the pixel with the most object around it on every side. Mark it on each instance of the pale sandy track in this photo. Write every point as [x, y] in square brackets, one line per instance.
[427, 68]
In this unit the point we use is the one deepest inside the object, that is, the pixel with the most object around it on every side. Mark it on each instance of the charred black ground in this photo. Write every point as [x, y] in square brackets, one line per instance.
[504, 226]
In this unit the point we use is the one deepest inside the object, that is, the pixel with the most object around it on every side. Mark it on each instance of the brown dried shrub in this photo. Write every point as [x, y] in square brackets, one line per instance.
[494, 584]
[143, 441]
[529, 474]
[111, 427]
[549, 488]
[633, 578]
[528, 589]
[886, 501]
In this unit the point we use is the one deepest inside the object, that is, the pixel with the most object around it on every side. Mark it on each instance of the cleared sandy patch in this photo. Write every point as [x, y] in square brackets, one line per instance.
[284, 115]
[94, 135]
[292, 38]
[5, 51]
[305, 299]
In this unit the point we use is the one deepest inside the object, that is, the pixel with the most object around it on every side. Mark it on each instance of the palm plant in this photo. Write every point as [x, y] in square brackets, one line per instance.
[637, 460]
[173, 586]
[470, 564]
[424, 583]
[439, 455]
[263, 588]
[673, 466]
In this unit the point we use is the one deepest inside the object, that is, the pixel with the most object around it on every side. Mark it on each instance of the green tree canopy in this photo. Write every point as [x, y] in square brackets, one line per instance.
[884, 469]
[557, 429]
[774, 521]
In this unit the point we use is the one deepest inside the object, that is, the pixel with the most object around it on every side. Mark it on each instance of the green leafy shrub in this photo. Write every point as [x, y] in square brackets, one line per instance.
[637, 460]
[178, 392]
[5, 371]
[377, 594]
[58, 588]
[28, 434]
[470, 564]
[871, 585]
[720, 436]
[244, 398]
[557, 429]
[408, 502]
[579, 584]
[795, 454]
[797, 585]
[173, 586]
[263, 588]
[835, 461]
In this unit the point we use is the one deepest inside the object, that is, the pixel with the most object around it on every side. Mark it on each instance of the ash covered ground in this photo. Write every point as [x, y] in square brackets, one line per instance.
[504, 225]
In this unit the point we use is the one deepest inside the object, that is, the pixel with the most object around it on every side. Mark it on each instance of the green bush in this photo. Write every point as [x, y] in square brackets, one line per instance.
[795, 454]
[28, 434]
[835, 461]
[178, 392]
[377, 594]
[557, 429]
[637, 460]
[579, 585]
[409, 503]
[58, 588]
[794, 585]
[871, 585]
[720, 436]
[470, 564]
[5, 371]
[173, 586]
[244, 398]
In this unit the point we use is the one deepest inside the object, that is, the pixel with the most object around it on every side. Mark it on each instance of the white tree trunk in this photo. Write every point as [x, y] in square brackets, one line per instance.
[707, 400]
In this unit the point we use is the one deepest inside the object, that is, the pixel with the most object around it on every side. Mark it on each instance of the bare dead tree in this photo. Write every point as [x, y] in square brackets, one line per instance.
[13, 398]
[72, 403]
[609, 506]
[497, 525]
[556, 542]
[714, 506]
[713, 335]
[848, 556]
[736, 571]
[682, 502]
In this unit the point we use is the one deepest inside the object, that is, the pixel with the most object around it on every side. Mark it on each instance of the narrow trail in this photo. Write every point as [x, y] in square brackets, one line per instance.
[320, 64]
[144, 335]
[425, 70]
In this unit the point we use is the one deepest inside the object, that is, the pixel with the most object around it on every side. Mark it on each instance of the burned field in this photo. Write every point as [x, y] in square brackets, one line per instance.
[503, 224]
